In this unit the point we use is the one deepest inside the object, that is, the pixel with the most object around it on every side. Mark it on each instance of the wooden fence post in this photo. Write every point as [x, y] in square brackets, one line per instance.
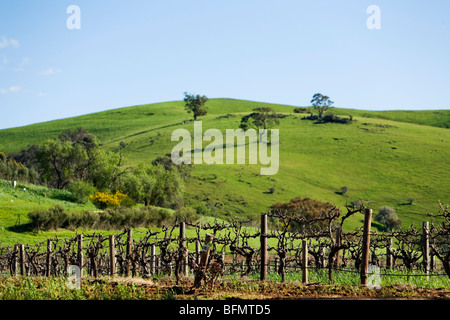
[157, 265]
[338, 244]
[80, 254]
[323, 265]
[128, 253]
[186, 264]
[366, 246]
[112, 256]
[263, 239]
[426, 248]
[305, 261]
[197, 251]
[182, 237]
[152, 259]
[49, 258]
[14, 262]
[432, 260]
[204, 255]
[389, 257]
[22, 260]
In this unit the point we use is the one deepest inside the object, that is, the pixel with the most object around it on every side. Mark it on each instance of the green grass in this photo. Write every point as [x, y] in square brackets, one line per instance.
[56, 288]
[16, 203]
[396, 285]
[384, 158]
[435, 118]
[345, 278]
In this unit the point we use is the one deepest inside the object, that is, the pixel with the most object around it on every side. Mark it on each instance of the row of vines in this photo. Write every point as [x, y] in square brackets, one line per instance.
[169, 251]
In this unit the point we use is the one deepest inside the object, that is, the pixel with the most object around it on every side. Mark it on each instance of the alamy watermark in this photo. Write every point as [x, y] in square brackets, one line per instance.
[73, 22]
[374, 279]
[74, 277]
[183, 152]
[373, 22]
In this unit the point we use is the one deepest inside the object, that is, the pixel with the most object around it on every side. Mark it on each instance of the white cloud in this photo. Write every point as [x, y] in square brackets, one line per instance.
[14, 42]
[42, 94]
[5, 42]
[11, 89]
[24, 62]
[49, 71]
[14, 89]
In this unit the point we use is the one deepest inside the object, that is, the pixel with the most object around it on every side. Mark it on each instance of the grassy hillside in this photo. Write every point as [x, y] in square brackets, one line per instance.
[383, 158]
[15, 226]
[15, 203]
[435, 118]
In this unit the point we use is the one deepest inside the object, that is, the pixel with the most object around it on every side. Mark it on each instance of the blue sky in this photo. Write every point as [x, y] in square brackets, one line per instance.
[136, 52]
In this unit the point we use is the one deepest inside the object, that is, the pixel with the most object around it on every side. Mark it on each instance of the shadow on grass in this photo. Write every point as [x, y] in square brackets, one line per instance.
[21, 228]
[62, 197]
[376, 225]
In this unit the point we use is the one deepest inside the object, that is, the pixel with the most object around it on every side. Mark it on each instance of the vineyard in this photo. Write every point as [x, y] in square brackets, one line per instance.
[282, 249]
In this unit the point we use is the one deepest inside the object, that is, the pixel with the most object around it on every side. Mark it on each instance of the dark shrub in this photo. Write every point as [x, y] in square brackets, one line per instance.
[81, 190]
[52, 218]
[387, 216]
[300, 110]
[330, 117]
[186, 214]
[113, 218]
[305, 208]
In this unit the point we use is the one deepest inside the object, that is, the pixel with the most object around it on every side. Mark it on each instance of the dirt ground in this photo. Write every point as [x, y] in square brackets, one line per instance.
[251, 289]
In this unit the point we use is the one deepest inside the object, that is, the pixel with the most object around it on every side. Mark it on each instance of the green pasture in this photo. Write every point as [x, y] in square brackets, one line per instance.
[383, 158]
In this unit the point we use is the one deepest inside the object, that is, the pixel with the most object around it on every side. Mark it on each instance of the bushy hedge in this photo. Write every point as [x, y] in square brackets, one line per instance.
[12, 170]
[329, 118]
[111, 218]
[307, 208]
[105, 200]
[388, 218]
[81, 190]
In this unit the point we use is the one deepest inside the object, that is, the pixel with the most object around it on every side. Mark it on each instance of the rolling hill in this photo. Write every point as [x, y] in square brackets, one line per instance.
[383, 157]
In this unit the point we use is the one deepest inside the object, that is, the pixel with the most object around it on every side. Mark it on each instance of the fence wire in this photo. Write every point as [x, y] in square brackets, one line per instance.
[164, 251]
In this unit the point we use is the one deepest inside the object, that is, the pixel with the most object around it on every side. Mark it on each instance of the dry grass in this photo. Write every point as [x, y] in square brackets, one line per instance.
[166, 288]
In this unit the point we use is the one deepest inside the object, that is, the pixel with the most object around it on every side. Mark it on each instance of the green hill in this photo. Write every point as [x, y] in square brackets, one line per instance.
[384, 157]
[435, 118]
[15, 203]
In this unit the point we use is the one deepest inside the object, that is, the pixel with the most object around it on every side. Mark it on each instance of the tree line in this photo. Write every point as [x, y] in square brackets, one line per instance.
[76, 161]
[264, 117]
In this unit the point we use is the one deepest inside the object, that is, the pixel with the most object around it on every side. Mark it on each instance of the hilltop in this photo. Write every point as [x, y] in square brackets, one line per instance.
[383, 157]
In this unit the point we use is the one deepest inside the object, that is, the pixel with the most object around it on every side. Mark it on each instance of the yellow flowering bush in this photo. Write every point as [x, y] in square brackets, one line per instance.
[105, 200]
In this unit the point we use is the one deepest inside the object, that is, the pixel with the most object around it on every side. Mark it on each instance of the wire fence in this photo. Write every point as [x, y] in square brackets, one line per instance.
[291, 244]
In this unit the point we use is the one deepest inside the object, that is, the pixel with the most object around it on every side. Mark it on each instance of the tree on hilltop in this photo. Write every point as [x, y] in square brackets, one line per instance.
[195, 104]
[262, 118]
[321, 103]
